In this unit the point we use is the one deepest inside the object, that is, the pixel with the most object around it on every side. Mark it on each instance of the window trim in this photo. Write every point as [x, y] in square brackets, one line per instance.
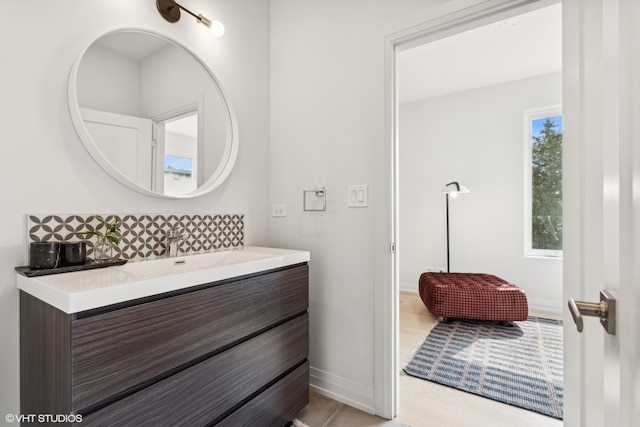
[528, 116]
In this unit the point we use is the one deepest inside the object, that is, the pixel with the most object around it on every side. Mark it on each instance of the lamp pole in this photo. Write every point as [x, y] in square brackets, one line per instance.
[454, 189]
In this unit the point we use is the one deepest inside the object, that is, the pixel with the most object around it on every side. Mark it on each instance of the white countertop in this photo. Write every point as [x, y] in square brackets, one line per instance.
[85, 290]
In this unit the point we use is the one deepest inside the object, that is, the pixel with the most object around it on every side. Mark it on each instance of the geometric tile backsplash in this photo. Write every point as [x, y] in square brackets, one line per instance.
[143, 235]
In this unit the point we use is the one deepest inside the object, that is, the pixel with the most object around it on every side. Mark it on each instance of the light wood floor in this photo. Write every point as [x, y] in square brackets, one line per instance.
[423, 403]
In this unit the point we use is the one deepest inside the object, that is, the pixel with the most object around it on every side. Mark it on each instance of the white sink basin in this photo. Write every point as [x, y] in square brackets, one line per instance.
[86, 290]
[178, 265]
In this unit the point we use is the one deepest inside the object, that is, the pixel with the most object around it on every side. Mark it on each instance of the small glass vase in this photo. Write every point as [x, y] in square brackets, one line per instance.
[102, 250]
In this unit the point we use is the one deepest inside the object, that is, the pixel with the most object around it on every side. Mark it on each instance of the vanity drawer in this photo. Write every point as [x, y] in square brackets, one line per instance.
[206, 392]
[277, 405]
[118, 351]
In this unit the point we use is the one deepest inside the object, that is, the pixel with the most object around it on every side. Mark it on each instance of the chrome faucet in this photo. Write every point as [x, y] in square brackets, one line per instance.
[174, 236]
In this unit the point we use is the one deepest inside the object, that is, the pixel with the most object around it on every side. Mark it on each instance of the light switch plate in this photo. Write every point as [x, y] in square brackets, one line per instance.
[358, 196]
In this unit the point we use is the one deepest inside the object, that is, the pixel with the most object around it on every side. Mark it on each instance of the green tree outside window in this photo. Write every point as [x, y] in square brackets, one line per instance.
[546, 182]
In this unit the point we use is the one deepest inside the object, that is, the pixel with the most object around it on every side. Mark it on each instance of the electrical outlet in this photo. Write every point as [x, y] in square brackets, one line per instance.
[278, 210]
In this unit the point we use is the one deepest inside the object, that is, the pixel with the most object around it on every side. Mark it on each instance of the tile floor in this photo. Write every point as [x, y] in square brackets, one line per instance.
[325, 412]
[423, 403]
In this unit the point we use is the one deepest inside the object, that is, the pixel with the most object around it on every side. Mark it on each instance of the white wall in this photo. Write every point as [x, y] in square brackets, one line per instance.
[327, 129]
[45, 168]
[109, 82]
[475, 138]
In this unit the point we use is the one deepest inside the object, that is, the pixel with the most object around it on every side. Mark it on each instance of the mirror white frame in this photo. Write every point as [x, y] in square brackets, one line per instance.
[230, 153]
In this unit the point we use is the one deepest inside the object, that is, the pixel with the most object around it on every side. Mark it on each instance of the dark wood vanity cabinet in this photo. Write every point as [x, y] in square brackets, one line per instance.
[229, 353]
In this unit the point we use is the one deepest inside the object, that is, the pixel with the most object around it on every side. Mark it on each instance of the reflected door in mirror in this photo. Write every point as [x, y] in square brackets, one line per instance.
[125, 140]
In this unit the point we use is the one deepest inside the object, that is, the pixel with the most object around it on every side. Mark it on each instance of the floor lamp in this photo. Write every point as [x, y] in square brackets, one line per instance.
[452, 188]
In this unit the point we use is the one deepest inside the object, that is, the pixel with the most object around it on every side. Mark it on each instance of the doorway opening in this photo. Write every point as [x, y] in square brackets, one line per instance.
[460, 102]
[177, 158]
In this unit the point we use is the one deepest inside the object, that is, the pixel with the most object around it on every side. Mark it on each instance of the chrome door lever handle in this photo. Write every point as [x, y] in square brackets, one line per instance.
[575, 313]
[605, 310]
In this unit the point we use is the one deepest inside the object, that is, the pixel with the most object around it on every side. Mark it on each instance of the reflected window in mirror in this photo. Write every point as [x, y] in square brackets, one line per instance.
[178, 175]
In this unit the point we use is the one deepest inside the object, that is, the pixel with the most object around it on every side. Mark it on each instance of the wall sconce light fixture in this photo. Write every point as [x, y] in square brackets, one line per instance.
[170, 11]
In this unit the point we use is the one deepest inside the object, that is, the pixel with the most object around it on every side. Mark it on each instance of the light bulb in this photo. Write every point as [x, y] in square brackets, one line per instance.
[217, 29]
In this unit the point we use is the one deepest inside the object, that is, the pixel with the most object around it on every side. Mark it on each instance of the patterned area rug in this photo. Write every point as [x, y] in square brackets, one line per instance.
[520, 365]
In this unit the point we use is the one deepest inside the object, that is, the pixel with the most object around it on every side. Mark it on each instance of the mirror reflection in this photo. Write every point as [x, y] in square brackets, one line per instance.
[180, 154]
[150, 111]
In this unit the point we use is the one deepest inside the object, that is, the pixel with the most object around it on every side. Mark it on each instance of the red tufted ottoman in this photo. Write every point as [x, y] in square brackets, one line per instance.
[472, 296]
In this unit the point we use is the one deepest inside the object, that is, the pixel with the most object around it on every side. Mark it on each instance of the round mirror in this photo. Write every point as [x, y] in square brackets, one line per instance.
[152, 114]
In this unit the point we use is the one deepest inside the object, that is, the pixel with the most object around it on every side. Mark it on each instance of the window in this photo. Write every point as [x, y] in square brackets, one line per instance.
[543, 182]
[178, 167]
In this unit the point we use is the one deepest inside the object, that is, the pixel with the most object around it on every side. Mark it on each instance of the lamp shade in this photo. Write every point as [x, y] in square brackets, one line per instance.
[454, 188]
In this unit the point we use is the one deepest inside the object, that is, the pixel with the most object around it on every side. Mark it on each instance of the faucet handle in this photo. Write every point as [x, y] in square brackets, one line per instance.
[175, 232]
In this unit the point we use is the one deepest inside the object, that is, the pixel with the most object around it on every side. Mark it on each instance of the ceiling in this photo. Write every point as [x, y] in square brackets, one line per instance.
[131, 45]
[524, 46]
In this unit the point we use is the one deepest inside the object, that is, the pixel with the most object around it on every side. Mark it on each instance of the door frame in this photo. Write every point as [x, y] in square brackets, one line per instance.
[386, 305]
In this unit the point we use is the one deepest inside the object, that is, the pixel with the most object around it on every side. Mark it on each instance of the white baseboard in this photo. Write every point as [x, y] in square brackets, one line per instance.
[547, 306]
[341, 389]
[408, 287]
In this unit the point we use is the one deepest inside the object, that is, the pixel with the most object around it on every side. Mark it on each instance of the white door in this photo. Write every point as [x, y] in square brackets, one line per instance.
[601, 195]
[125, 141]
